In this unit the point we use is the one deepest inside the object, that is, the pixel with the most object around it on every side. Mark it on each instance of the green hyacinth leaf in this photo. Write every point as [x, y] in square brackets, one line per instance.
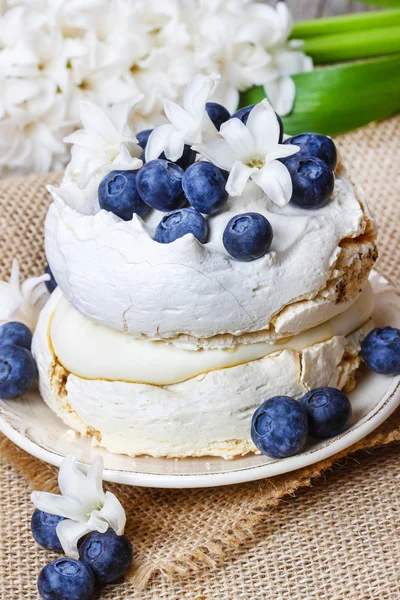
[343, 24]
[353, 45]
[338, 99]
[383, 3]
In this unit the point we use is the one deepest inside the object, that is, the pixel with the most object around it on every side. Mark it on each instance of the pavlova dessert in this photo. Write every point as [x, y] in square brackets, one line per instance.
[202, 267]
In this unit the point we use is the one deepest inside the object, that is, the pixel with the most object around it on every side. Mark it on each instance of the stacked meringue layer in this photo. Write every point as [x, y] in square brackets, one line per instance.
[167, 350]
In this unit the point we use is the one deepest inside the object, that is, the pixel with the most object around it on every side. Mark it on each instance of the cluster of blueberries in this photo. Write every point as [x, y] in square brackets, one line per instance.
[104, 558]
[170, 186]
[17, 366]
[281, 425]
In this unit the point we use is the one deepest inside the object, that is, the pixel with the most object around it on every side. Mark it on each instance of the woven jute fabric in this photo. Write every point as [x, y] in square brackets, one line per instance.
[330, 531]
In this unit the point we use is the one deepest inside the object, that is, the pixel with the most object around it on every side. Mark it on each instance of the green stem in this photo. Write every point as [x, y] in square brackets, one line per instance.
[346, 23]
[351, 46]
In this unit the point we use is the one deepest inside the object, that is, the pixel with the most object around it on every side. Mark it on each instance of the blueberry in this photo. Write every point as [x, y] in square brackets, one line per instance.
[381, 350]
[51, 284]
[66, 579]
[43, 526]
[204, 187]
[107, 554]
[17, 371]
[118, 194]
[15, 333]
[328, 411]
[314, 144]
[279, 427]
[188, 157]
[312, 181]
[143, 137]
[159, 183]
[247, 236]
[180, 222]
[217, 113]
[243, 115]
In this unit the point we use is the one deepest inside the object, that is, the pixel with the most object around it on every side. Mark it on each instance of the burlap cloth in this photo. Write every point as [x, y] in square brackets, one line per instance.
[339, 539]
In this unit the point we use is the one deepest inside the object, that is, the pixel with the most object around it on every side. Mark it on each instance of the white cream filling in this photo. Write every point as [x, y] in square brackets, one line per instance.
[92, 351]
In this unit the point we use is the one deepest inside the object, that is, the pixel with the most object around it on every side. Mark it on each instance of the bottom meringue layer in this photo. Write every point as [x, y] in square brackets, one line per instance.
[207, 415]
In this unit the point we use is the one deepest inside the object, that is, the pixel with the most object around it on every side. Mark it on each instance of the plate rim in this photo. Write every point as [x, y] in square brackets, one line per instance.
[373, 419]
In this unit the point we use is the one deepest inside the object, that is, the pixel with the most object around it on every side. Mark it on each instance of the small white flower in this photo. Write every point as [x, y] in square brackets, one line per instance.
[106, 142]
[187, 124]
[83, 503]
[22, 302]
[250, 152]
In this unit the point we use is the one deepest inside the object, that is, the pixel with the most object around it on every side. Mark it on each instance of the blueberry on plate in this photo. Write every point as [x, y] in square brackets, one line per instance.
[279, 427]
[66, 579]
[180, 222]
[243, 115]
[17, 371]
[159, 183]
[15, 333]
[107, 554]
[381, 350]
[247, 236]
[143, 137]
[118, 194]
[312, 180]
[51, 284]
[217, 113]
[43, 526]
[328, 411]
[204, 187]
[315, 144]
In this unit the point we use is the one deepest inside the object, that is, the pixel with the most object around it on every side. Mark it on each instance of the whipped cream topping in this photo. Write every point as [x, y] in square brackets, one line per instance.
[114, 273]
[93, 351]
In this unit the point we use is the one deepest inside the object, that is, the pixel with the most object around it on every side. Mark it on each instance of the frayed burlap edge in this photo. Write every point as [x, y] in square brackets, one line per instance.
[210, 553]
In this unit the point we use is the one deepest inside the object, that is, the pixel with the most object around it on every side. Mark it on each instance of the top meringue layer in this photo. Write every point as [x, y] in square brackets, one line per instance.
[114, 273]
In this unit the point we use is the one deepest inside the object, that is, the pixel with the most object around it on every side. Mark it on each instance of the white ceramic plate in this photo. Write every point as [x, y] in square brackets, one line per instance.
[30, 424]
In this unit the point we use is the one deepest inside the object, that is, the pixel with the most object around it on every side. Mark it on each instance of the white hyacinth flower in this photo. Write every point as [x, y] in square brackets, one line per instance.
[250, 152]
[22, 302]
[83, 504]
[187, 124]
[105, 143]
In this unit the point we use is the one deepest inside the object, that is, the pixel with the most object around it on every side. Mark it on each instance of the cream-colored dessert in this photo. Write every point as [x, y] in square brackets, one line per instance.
[187, 403]
[167, 349]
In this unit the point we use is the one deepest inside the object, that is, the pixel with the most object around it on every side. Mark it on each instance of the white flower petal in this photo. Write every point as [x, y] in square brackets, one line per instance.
[119, 112]
[95, 120]
[175, 146]
[63, 506]
[178, 116]
[276, 151]
[158, 140]
[263, 126]
[239, 138]
[281, 94]
[275, 180]
[113, 513]
[238, 178]
[197, 94]
[218, 152]
[69, 533]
